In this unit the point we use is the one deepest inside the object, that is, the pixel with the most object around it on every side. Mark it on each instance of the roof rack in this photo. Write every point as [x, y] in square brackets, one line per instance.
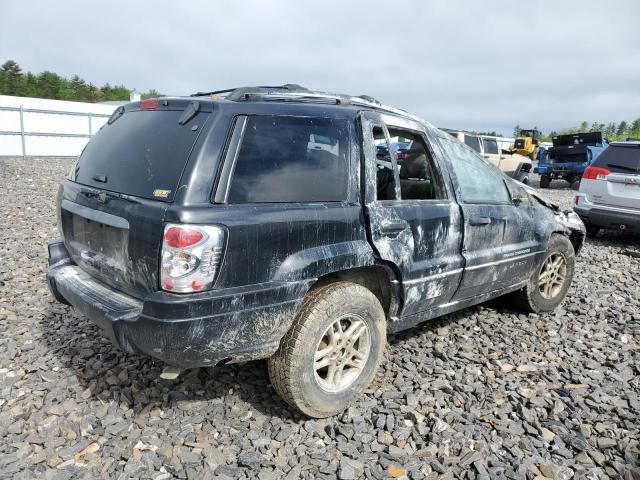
[296, 93]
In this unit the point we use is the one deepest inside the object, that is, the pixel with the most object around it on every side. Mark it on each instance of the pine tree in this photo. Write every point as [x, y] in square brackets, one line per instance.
[12, 79]
[634, 131]
[49, 84]
[584, 127]
[622, 129]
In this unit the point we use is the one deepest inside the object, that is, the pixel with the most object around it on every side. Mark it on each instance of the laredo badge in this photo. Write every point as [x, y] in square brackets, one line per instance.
[160, 193]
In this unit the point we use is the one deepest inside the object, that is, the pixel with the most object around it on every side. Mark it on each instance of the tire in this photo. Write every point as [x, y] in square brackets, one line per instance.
[545, 180]
[592, 231]
[523, 177]
[571, 179]
[293, 369]
[532, 298]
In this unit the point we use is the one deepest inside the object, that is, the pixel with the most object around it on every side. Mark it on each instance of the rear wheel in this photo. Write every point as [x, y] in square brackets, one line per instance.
[332, 351]
[545, 180]
[548, 285]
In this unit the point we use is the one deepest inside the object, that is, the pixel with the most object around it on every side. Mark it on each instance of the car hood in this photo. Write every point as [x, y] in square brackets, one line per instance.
[568, 219]
[542, 199]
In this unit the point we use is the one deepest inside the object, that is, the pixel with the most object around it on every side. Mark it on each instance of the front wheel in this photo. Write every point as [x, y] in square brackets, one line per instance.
[332, 351]
[548, 285]
[523, 177]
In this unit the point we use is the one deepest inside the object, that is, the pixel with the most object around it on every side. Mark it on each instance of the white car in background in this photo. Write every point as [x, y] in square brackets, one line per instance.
[491, 149]
[609, 194]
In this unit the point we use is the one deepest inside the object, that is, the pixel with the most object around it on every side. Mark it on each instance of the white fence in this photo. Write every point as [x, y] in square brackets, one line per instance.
[36, 127]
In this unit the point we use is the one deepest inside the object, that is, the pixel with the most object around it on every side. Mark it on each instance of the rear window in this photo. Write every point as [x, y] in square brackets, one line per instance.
[473, 142]
[620, 159]
[291, 159]
[142, 153]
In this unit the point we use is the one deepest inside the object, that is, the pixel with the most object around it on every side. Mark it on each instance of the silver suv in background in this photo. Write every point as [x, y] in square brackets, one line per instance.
[609, 194]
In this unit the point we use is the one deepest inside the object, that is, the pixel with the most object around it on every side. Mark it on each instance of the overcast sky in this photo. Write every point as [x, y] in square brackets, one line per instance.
[479, 65]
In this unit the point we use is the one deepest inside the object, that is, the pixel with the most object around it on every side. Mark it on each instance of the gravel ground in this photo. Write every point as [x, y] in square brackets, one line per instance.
[485, 393]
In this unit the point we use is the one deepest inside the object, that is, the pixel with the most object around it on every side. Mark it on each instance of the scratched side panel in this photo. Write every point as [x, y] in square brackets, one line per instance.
[287, 242]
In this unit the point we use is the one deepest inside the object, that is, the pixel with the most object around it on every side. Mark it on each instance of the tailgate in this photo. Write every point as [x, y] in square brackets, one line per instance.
[115, 238]
[621, 187]
[623, 190]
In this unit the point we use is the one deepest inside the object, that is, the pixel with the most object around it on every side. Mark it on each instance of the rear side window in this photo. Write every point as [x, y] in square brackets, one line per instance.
[472, 141]
[620, 159]
[490, 146]
[291, 159]
[142, 153]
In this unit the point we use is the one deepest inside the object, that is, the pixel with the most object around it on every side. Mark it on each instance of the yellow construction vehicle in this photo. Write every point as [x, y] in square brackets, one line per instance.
[527, 143]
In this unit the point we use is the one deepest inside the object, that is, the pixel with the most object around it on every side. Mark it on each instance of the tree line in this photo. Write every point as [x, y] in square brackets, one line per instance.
[611, 131]
[13, 81]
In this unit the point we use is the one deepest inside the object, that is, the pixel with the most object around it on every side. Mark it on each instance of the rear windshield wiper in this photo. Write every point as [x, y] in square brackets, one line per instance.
[191, 111]
[622, 167]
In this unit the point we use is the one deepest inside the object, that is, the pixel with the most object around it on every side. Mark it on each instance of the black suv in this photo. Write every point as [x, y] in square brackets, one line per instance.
[266, 223]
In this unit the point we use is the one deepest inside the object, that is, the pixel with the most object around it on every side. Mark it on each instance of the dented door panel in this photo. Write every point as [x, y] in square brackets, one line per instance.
[421, 238]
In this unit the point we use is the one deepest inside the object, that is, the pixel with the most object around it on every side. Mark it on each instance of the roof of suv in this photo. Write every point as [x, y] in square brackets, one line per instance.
[296, 94]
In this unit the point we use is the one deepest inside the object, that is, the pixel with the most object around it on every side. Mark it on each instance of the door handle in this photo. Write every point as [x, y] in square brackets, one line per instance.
[391, 227]
[480, 221]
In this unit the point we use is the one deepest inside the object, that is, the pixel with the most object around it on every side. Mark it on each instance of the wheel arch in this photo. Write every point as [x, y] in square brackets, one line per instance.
[380, 279]
[575, 237]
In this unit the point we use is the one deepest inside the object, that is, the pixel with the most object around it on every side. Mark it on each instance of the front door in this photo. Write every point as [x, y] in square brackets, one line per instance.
[500, 245]
[413, 220]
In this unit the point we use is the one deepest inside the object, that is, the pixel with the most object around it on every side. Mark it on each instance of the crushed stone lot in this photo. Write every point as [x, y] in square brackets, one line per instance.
[486, 393]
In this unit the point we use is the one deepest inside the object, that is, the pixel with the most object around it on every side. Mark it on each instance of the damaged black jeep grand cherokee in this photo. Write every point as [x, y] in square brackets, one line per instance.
[279, 223]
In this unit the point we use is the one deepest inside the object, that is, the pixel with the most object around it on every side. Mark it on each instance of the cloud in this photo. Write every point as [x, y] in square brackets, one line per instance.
[476, 65]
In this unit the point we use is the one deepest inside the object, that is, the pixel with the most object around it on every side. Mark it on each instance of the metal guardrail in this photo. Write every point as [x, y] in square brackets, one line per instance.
[24, 134]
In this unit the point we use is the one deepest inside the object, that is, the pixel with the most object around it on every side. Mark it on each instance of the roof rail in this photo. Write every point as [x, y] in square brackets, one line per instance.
[238, 91]
[294, 92]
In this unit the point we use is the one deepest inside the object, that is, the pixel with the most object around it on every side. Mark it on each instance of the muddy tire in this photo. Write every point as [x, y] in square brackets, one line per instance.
[332, 351]
[545, 181]
[548, 285]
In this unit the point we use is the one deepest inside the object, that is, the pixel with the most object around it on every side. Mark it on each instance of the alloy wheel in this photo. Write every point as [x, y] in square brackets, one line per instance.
[342, 353]
[553, 275]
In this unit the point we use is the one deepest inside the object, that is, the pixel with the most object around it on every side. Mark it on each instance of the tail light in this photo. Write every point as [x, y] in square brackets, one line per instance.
[596, 173]
[577, 200]
[191, 257]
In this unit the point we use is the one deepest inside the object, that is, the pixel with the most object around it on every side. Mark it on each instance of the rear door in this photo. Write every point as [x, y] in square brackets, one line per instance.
[499, 241]
[621, 186]
[413, 220]
[112, 208]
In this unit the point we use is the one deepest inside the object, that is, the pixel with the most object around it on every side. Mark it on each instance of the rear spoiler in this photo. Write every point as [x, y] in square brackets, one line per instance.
[589, 138]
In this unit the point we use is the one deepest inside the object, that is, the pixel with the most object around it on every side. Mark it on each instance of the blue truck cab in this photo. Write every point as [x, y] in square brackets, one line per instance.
[569, 156]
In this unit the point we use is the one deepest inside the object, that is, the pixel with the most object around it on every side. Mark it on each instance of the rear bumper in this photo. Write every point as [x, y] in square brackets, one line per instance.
[560, 169]
[203, 329]
[610, 218]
